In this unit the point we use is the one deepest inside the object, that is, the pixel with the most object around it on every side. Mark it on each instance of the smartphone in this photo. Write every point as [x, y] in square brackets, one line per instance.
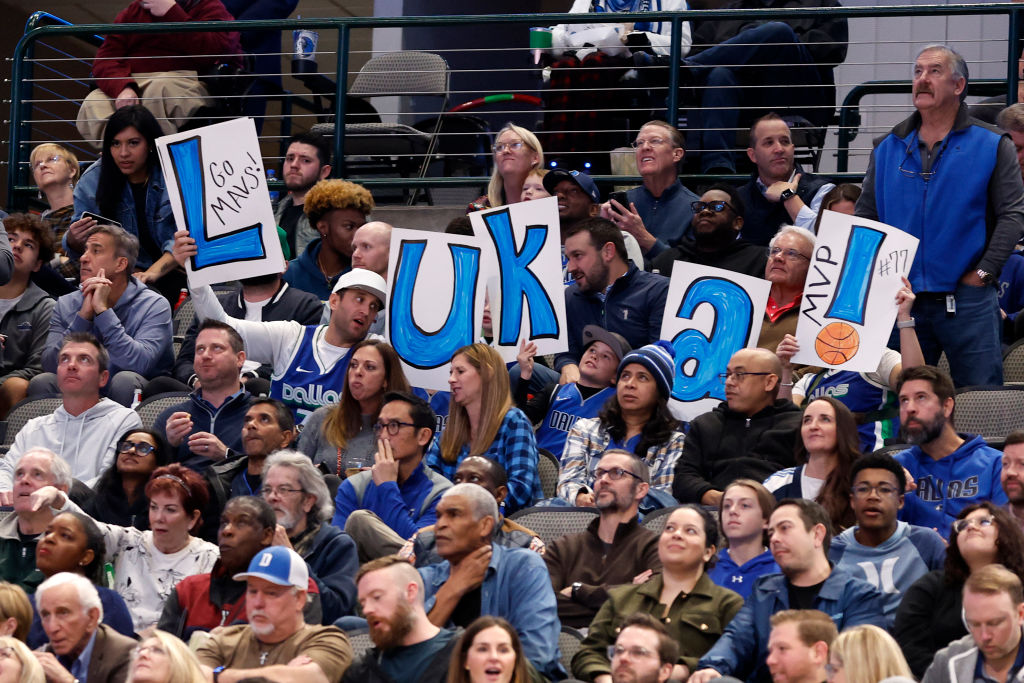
[620, 197]
[100, 219]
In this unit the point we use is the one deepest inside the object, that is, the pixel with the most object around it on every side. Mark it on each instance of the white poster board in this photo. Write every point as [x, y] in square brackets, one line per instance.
[435, 301]
[849, 301]
[217, 186]
[710, 314]
[523, 267]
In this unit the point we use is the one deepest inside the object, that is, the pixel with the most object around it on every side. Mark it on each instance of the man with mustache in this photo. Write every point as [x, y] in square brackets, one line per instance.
[955, 184]
[952, 470]
[408, 646]
[1012, 478]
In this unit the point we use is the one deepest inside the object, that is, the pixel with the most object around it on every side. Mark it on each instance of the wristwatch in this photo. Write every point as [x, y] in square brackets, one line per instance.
[787, 194]
[985, 276]
[216, 673]
[575, 587]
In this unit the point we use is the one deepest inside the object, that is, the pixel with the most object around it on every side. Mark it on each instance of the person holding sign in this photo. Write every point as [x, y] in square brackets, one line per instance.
[483, 421]
[789, 258]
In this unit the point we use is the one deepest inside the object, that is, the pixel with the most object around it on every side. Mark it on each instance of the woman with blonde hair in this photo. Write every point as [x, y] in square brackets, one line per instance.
[162, 658]
[483, 421]
[517, 152]
[55, 171]
[865, 654]
[15, 611]
[18, 664]
[341, 435]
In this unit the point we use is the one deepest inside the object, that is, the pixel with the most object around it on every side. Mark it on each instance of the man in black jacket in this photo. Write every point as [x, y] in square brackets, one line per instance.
[749, 435]
[408, 647]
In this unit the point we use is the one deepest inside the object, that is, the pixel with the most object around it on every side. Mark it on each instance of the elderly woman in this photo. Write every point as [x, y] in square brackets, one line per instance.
[55, 172]
[18, 664]
[162, 658]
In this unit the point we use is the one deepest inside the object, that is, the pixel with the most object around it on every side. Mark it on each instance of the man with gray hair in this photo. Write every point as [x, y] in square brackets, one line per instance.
[789, 257]
[20, 532]
[296, 491]
[408, 646]
[955, 184]
[479, 577]
[80, 648]
[132, 321]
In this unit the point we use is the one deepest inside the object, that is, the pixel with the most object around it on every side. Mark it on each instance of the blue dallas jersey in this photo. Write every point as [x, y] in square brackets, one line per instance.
[307, 382]
[878, 415]
[439, 403]
[566, 406]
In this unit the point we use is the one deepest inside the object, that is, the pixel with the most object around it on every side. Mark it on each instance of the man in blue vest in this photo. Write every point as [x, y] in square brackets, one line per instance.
[955, 184]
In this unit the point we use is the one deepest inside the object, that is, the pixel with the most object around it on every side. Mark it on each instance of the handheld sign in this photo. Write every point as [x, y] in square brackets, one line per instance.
[218, 192]
[710, 314]
[849, 301]
[523, 259]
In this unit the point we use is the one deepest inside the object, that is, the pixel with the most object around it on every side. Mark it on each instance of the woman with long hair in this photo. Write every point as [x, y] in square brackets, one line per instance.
[517, 152]
[842, 199]
[694, 610]
[489, 651]
[635, 419]
[149, 564]
[743, 512]
[162, 658]
[865, 654]
[341, 436]
[829, 443]
[127, 185]
[929, 616]
[18, 664]
[120, 498]
[73, 543]
[483, 421]
[15, 611]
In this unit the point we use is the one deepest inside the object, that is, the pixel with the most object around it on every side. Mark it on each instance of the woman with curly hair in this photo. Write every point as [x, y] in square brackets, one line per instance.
[336, 209]
[829, 443]
[517, 153]
[635, 419]
[929, 617]
[483, 421]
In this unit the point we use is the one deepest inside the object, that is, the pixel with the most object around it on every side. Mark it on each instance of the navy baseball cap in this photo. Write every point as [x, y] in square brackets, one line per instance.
[582, 180]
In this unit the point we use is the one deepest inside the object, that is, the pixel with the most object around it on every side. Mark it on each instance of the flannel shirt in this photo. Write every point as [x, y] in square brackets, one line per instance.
[588, 440]
[515, 448]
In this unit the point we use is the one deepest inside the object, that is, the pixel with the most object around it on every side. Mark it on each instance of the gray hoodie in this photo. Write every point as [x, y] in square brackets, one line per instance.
[956, 662]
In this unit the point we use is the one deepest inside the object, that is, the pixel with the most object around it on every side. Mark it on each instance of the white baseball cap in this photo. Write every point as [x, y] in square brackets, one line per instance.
[365, 280]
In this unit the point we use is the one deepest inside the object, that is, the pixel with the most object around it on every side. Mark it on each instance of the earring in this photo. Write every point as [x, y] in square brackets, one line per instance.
[39, 195]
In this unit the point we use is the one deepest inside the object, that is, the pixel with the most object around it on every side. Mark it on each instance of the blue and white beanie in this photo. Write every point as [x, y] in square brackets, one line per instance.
[659, 359]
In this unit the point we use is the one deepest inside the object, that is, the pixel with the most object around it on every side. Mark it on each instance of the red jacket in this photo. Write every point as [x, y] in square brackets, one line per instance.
[125, 54]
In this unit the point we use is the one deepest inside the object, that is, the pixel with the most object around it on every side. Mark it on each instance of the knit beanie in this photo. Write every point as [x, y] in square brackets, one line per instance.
[659, 359]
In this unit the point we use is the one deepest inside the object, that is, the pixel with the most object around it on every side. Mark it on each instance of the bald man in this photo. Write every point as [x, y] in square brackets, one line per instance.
[751, 434]
[371, 246]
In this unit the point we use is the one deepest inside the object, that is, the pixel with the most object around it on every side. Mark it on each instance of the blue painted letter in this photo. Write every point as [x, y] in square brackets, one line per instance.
[245, 244]
[854, 284]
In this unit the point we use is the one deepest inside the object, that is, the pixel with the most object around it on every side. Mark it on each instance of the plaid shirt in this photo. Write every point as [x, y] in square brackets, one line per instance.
[588, 440]
[515, 448]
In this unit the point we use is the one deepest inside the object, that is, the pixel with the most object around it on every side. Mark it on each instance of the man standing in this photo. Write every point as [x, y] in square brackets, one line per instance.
[277, 643]
[1012, 476]
[889, 554]
[613, 550]
[951, 471]
[296, 491]
[717, 224]
[658, 212]
[384, 506]
[408, 647]
[751, 434]
[85, 428]
[608, 291]
[798, 646]
[800, 533]
[955, 184]
[79, 647]
[306, 163]
[132, 321]
[779, 192]
[994, 614]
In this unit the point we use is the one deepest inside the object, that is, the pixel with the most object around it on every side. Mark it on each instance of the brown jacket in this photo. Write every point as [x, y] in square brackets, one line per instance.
[111, 655]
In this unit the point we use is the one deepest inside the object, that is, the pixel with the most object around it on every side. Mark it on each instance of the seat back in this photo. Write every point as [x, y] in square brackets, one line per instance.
[547, 470]
[989, 411]
[183, 317]
[25, 410]
[154, 405]
[402, 73]
[551, 523]
[569, 642]
[656, 520]
[1013, 364]
[360, 642]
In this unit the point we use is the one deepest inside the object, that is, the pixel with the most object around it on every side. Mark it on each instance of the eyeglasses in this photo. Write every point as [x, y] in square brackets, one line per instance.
[614, 473]
[510, 146]
[717, 206]
[864, 490]
[790, 254]
[391, 427]
[739, 375]
[48, 160]
[140, 447]
[653, 142]
[978, 522]
[281, 491]
[152, 649]
[923, 175]
[635, 652]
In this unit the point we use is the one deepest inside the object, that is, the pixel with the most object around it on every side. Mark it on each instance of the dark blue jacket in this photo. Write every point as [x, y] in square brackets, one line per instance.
[224, 422]
[634, 308]
[304, 273]
[401, 507]
[742, 649]
[333, 562]
[666, 217]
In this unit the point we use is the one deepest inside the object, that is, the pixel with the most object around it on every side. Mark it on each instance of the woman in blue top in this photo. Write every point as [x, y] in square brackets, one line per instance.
[127, 185]
[744, 511]
[483, 421]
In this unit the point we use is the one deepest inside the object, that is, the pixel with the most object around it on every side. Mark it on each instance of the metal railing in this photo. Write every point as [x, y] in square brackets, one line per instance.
[50, 74]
